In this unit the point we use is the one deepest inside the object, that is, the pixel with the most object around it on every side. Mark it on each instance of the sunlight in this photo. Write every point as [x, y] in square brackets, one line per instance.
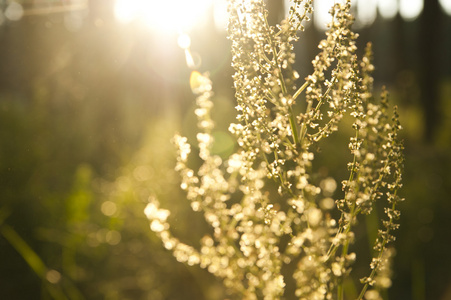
[126, 10]
[165, 16]
[220, 14]
[184, 41]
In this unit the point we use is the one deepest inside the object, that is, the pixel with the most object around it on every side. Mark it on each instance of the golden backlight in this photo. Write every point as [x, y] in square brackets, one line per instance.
[165, 16]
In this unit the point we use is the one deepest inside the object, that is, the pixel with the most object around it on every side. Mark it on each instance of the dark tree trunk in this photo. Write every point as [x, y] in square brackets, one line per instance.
[430, 32]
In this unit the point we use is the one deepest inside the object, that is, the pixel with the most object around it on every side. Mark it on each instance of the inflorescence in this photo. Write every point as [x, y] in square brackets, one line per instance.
[270, 213]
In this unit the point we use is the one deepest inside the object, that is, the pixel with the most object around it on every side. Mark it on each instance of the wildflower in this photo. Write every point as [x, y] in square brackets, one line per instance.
[282, 210]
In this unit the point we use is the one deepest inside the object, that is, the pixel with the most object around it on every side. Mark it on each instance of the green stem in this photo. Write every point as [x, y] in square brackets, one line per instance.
[309, 107]
[333, 248]
[340, 290]
[304, 124]
[32, 259]
[321, 101]
[275, 62]
[379, 257]
[37, 265]
[293, 126]
[300, 90]
[283, 86]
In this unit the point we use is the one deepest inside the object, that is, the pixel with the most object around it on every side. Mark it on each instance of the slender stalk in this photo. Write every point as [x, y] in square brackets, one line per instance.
[379, 257]
[321, 101]
[309, 107]
[37, 265]
[293, 126]
[300, 90]
[283, 86]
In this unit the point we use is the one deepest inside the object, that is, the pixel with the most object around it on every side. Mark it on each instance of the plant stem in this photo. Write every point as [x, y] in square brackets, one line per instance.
[300, 90]
[293, 126]
[283, 86]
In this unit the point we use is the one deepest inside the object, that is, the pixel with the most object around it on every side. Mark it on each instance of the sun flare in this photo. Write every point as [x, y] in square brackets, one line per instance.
[166, 16]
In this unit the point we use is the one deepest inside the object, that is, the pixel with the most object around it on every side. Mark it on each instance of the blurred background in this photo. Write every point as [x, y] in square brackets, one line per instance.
[91, 92]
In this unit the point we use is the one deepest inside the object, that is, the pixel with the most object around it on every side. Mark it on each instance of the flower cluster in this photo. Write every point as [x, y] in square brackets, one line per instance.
[270, 213]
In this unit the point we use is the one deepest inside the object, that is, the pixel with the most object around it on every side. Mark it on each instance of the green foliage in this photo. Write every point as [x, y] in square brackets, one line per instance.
[69, 229]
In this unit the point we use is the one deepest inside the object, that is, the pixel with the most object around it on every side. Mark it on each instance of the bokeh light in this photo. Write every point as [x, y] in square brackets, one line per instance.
[446, 6]
[366, 12]
[410, 9]
[388, 8]
[14, 11]
[53, 276]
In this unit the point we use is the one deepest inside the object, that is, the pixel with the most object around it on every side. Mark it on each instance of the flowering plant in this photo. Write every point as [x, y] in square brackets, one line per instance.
[272, 215]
